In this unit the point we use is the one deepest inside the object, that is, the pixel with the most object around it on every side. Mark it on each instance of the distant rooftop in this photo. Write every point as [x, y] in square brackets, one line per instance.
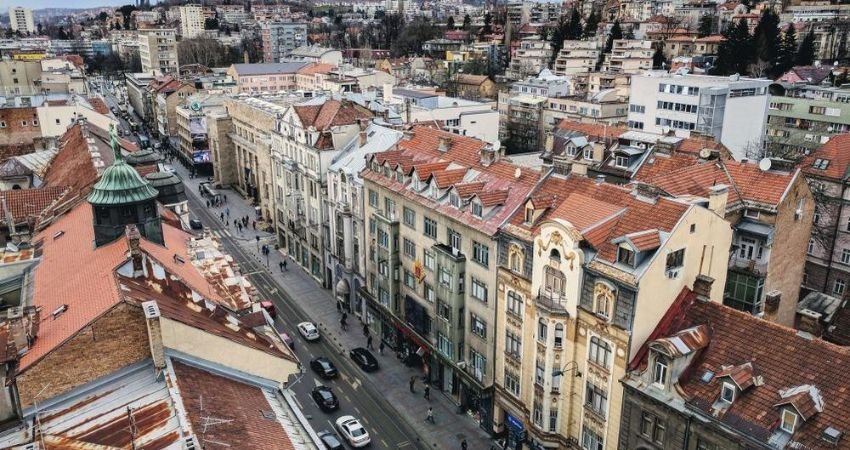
[268, 68]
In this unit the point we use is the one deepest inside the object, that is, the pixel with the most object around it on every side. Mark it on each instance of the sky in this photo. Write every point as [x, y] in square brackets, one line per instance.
[82, 4]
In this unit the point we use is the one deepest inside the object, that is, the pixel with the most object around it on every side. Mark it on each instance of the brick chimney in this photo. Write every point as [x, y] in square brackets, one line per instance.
[702, 287]
[133, 237]
[445, 144]
[152, 320]
[718, 195]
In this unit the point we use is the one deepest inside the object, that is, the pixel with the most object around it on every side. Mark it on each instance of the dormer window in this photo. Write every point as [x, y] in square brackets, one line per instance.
[727, 393]
[435, 191]
[477, 209]
[626, 256]
[529, 214]
[622, 161]
[454, 199]
[660, 370]
[789, 421]
[588, 153]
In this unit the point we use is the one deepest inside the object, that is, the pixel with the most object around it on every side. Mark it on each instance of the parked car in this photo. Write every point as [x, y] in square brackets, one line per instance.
[352, 431]
[195, 224]
[309, 331]
[269, 307]
[284, 335]
[324, 367]
[325, 398]
[364, 359]
[330, 440]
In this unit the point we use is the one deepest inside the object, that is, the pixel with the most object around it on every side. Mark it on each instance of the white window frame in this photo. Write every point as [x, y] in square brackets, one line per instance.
[727, 392]
[784, 425]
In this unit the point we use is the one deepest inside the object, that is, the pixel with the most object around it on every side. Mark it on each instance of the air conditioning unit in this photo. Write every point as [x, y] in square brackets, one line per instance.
[673, 273]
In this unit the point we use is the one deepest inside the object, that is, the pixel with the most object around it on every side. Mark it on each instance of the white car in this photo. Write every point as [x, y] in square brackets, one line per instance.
[352, 431]
[308, 330]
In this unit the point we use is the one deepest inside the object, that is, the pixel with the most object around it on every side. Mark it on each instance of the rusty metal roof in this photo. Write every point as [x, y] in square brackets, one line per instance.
[686, 341]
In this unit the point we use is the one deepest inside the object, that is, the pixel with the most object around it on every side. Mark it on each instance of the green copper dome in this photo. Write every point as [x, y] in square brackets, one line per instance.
[121, 185]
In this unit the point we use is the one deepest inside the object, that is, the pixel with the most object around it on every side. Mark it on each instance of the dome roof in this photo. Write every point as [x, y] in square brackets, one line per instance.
[120, 184]
[162, 179]
[143, 157]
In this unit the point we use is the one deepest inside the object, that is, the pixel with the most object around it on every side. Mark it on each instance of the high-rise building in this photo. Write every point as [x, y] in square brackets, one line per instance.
[158, 50]
[20, 19]
[191, 21]
[280, 38]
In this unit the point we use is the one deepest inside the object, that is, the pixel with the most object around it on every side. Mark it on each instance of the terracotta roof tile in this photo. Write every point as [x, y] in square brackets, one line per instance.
[99, 105]
[446, 178]
[493, 198]
[316, 68]
[592, 130]
[465, 190]
[27, 204]
[645, 240]
[836, 153]
[331, 113]
[72, 166]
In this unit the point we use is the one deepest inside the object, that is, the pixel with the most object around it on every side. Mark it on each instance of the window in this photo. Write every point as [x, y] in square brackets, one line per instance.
[838, 286]
[727, 393]
[430, 228]
[479, 290]
[652, 428]
[529, 214]
[410, 217]
[622, 161]
[429, 293]
[514, 304]
[454, 200]
[553, 419]
[675, 259]
[554, 280]
[626, 256]
[444, 345]
[373, 198]
[537, 414]
[513, 345]
[591, 440]
[744, 292]
[409, 248]
[751, 213]
[444, 311]
[542, 330]
[480, 253]
[477, 209]
[34, 122]
[383, 239]
[409, 279]
[477, 326]
[445, 277]
[659, 370]
[540, 372]
[820, 110]
[512, 383]
[600, 352]
[479, 365]
[429, 260]
[820, 164]
[559, 335]
[845, 256]
[515, 259]
[389, 207]
[811, 247]
[23, 123]
[3, 124]
[789, 421]
[596, 399]
[637, 108]
[454, 238]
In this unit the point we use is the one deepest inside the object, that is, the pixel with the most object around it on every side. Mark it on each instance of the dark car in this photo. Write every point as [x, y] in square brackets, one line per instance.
[364, 359]
[195, 224]
[324, 367]
[325, 398]
[330, 440]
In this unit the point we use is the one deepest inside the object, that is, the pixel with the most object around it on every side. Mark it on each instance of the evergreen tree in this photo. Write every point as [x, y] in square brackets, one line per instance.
[766, 38]
[591, 25]
[616, 33]
[450, 23]
[574, 29]
[806, 52]
[467, 22]
[735, 54]
[658, 59]
[706, 26]
[787, 50]
[487, 28]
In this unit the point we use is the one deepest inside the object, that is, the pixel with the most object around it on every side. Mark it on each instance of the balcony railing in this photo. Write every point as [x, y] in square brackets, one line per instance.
[551, 300]
[755, 266]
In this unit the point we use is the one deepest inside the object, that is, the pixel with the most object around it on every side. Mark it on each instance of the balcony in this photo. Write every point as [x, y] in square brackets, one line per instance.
[754, 266]
[552, 301]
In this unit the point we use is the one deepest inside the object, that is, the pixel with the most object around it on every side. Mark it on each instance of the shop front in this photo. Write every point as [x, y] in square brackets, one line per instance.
[516, 432]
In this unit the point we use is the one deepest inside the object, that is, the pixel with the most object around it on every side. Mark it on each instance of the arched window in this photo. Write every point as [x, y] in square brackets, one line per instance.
[515, 258]
[555, 256]
[559, 335]
[542, 330]
[554, 280]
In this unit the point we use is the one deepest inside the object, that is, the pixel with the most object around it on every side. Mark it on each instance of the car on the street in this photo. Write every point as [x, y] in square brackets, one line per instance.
[324, 367]
[195, 224]
[352, 431]
[330, 440]
[269, 307]
[309, 331]
[363, 358]
[325, 398]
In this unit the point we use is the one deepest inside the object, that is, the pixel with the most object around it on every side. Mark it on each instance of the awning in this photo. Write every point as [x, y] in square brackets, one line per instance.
[756, 228]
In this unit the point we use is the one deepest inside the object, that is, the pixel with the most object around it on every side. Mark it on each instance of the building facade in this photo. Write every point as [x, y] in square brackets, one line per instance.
[20, 20]
[802, 118]
[191, 21]
[158, 50]
[280, 38]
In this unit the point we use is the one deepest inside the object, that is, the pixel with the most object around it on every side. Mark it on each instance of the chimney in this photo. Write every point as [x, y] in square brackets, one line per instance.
[771, 301]
[717, 197]
[152, 320]
[702, 287]
[388, 92]
[408, 135]
[133, 237]
[445, 144]
[809, 321]
[646, 191]
[362, 138]
[488, 155]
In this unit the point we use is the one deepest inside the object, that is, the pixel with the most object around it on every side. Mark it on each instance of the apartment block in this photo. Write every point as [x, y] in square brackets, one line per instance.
[20, 20]
[158, 50]
[629, 56]
[280, 38]
[529, 58]
[801, 118]
[191, 21]
[577, 57]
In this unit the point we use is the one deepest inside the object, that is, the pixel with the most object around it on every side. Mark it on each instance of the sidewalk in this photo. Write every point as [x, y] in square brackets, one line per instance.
[393, 377]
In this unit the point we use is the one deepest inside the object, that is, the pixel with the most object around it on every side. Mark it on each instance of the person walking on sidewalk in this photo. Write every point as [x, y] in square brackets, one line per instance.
[284, 264]
[427, 392]
[369, 343]
[381, 348]
[280, 264]
[463, 444]
[430, 417]
[222, 217]
[227, 211]
[412, 382]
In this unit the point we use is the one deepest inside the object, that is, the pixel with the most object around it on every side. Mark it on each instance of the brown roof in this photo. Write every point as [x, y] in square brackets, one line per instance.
[330, 114]
[593, 131]
[475, 80]
[785, 363]
[645, 240]
[72, 166]
[27, 204]
[240, 409]
[316, 68]
[837, 154]
[99, 105]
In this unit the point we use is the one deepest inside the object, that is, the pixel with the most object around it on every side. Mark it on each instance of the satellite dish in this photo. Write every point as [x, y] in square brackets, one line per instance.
[764, 164]
[705, 153]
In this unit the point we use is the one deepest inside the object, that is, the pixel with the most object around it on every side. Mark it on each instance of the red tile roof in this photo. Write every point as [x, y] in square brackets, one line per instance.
[785, 363]
[316, 68]
[836, 152]
[331, 113]
[645, 240]
[28, 204]
[99, 105]
[593, 131]
[240, 409]
[72, 166]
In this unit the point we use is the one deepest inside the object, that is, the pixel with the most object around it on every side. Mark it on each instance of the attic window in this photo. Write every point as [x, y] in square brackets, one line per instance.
[789, 421]
[477, 209]
[821, 164]
[454, 200]
[727, 393]
[626, 256]
[622, 161]
[529, 214]
[659, 370]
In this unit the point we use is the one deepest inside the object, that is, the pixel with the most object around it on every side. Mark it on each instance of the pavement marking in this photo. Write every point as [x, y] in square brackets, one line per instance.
[403, 444]
[357, 409]
[227, 233]
[347, 399]
[355, 383]
[384, 443]
[316, 381]
[299, 403]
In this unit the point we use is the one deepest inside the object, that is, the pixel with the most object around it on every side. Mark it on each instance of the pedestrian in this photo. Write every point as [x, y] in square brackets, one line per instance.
[225, 198]
[412, 382]
[284, 265]
[369, 343]
[280, 264]
[430, 417]
[463, 444]
[427, 392]
[240, 227]
[227, 211]
[339, 306]
[254, 224]
[222, 217]
[381, 348]
[208, 203]
[365, 330]
[342, 323]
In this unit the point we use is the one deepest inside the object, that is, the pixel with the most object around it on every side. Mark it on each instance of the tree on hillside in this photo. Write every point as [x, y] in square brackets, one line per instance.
[450, 23]
[467, 22]
[591, 25]
[735, 54]
[211, 23]
[787, 50]
[574, 29]
[806, 52]
[766, 40]
[488, 27]
[706, 26]
[615, 34]
[658, 59]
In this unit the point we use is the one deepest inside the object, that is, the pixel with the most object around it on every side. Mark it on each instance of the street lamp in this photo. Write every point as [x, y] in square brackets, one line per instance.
[571, 366]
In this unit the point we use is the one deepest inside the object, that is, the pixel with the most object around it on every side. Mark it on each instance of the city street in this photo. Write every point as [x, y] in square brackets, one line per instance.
[379, 399]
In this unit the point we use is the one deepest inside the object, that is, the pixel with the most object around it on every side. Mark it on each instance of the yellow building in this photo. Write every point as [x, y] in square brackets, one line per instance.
[586, 269]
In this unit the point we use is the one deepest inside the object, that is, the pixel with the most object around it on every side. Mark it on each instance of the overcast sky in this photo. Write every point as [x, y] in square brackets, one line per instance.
[38, 4]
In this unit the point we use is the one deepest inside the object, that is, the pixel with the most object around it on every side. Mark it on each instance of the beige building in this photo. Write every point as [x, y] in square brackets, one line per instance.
[158, 50]
[192, 130]
[531, 57]
[586, 270]
[577, 57]
[431, 285]
[629, 56]
[605, 107]
[191, 21]
[20, 20]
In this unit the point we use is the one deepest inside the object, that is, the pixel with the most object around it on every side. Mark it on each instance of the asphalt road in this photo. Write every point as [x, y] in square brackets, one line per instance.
[357, 395]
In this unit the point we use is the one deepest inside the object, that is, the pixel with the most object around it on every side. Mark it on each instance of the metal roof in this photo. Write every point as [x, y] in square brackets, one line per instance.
[121, 185]
[268, 68]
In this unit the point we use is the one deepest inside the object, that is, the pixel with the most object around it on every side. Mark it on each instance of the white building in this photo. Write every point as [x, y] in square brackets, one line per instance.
[577, 57]
[20, 19]
[463, 117]
[629, 56]
[731, 109]
[158, 50]
[316, 54]
[531, 57]
[191, 21]
[544, 85]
